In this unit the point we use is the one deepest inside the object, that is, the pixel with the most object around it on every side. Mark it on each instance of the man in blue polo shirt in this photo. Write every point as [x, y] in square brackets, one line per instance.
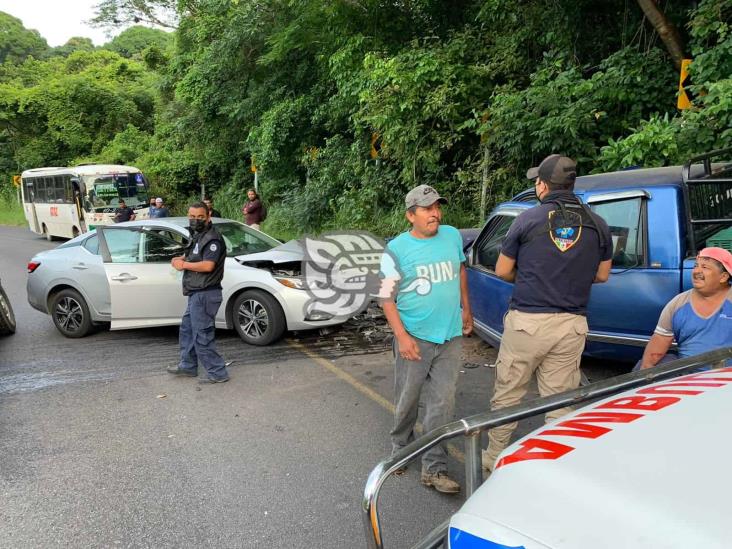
[429, 314]
[554, 252]
[699, 319]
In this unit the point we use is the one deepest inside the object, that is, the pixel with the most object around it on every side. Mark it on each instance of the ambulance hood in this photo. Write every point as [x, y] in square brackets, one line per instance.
[649, 468]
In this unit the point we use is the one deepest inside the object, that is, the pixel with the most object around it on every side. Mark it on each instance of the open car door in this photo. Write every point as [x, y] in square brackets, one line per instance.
[145, 289]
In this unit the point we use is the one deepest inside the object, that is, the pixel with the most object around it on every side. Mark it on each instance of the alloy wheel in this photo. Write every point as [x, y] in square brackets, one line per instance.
[253, 318]
[69, 314]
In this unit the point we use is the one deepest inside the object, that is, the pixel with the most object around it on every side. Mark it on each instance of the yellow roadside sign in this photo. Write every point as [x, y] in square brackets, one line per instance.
[375, 145]
[254, 166]
[16, 180]
[685, 95]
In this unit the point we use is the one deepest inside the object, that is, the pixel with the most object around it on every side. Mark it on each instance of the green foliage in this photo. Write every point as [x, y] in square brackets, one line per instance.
[62, 110]
[11, 211]
[132, 42]
[464, 95]
[76, 43]
[707, 126]
[18, 43]
[572, 110]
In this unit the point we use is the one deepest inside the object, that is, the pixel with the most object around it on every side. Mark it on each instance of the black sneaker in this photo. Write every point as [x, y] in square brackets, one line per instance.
[212, 380]
[175, 370]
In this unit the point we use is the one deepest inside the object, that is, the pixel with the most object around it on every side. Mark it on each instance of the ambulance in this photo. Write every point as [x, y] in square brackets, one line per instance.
[648, 468]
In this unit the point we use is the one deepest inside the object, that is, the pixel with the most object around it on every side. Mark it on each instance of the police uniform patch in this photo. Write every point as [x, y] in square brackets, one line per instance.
[213, 247]
[563, 237]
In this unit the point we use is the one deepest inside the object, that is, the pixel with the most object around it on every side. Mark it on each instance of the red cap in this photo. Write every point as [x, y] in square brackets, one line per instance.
[721, 255]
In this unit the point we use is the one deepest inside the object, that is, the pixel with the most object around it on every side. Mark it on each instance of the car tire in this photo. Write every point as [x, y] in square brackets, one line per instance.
[258, 318]
[70, 313]
[7, 317]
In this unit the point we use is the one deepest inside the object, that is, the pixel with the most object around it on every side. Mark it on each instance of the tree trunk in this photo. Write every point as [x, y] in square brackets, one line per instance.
[484, 186]
[665, 29]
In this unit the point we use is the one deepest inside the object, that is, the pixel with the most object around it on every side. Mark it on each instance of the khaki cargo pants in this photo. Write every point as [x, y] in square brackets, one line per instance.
[549, 344]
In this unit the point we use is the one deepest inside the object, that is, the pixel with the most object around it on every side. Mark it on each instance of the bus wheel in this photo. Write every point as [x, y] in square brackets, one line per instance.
[75, 232]
[70, 313]
[47, 234]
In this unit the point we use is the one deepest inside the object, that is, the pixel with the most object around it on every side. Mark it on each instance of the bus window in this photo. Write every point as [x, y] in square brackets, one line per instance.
[106, 190]
[28, 189]
[40, 189]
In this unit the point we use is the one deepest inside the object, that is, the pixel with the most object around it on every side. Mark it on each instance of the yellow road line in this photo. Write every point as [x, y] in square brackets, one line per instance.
[345, 376]
[361, 388]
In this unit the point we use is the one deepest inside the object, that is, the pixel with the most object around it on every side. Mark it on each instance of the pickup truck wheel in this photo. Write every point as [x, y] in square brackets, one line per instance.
[7, 317]
[70, 313]
[258, 318]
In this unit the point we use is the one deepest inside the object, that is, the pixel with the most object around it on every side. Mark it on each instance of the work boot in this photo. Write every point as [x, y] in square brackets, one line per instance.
[440, 482]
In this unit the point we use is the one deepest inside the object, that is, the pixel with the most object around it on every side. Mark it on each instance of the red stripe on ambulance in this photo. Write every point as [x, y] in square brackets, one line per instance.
[585, 425]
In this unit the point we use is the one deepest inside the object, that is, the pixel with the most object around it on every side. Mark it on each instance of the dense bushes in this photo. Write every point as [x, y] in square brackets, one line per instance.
[463, 95]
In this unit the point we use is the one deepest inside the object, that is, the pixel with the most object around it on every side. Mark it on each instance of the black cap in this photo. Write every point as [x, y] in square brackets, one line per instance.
[555, 169]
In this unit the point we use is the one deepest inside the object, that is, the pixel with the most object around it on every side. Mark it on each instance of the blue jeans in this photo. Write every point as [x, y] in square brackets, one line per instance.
[197, 332]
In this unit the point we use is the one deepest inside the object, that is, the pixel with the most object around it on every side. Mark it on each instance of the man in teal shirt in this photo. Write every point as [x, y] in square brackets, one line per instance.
[428, 316]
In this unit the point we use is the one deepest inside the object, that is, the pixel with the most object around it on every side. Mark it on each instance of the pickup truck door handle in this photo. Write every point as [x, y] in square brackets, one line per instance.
[124, 277]
[80, 267]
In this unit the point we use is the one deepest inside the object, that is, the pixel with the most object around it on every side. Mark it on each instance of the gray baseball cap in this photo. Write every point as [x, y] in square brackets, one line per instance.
[423, 195]
[557, 169]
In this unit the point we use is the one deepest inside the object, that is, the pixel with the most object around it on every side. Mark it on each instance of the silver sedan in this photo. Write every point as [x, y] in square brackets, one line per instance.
[121, 275]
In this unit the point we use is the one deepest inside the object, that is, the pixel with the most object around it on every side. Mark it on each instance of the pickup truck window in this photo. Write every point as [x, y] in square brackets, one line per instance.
[625, 219]
[490, 247]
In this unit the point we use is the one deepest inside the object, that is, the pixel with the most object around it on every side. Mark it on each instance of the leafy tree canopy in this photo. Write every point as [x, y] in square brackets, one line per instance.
[76, 43]
[342, 106]
[16, 42]
[133, 41]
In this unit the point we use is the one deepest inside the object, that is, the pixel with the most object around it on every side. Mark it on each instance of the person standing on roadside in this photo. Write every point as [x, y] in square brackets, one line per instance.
[151, 210]
[252, 210]
[427, 325]
[203, 270]
[554, 252]
[209, 202]
[160, 209]
[123, 213]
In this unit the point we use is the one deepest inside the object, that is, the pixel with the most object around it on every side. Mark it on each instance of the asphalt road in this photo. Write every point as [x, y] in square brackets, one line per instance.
[100, 447]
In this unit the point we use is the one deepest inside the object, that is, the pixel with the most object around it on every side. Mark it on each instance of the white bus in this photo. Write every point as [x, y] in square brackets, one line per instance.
[65, 202]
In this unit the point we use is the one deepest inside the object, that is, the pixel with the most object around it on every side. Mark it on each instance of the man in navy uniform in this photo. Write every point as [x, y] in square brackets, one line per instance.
[554, 253]
[203, 270]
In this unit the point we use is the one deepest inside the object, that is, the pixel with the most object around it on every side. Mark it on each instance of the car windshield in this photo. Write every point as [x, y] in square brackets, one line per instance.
[240, 239]
[105, 191]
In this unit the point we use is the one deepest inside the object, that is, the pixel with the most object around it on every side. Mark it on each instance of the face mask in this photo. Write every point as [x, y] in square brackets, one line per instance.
[536, 192]
[196, 225]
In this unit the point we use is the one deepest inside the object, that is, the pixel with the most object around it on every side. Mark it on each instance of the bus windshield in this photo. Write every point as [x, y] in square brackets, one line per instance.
[104, 191]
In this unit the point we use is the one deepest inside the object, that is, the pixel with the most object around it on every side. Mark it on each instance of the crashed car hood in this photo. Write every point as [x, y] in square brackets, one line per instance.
[288, 252]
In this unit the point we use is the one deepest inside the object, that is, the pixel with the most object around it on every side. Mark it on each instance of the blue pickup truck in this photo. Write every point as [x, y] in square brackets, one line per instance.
[659, 219]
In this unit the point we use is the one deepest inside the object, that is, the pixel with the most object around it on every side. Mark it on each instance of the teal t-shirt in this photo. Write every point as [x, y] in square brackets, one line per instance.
[428, 270]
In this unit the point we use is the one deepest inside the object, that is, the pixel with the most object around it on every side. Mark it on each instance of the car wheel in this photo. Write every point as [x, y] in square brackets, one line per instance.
[258, 318]
[7, 317]
[70, 313]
